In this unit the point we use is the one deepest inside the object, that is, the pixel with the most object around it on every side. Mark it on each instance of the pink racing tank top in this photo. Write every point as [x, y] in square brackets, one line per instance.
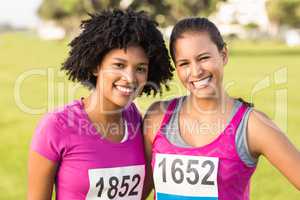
[210, 172]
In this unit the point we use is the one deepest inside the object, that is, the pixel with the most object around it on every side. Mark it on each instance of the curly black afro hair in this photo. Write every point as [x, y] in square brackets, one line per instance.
[112, 29]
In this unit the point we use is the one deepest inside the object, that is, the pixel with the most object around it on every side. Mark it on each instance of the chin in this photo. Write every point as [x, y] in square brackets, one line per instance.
[123, 103]
[205, 95]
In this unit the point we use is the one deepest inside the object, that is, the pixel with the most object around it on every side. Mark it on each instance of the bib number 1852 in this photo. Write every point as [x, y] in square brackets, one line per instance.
[122, 183]
[115, 188]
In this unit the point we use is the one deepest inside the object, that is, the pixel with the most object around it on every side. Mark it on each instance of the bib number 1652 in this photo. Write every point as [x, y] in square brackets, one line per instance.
[178, 172]
[186, 174]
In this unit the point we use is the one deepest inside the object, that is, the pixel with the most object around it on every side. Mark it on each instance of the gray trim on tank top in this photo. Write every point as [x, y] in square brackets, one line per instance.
[241, 135]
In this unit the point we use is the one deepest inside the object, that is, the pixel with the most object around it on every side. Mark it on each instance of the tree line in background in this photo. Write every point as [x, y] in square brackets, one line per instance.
[284, 12]
[69, 13]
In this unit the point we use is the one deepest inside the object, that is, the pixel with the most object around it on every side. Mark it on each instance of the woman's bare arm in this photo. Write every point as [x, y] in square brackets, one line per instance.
[151, 124]
[41, 176]
[267, 139]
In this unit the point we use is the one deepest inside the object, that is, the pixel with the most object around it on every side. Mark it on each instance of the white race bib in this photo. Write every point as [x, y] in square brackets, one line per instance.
[185, 177]
[116, 183]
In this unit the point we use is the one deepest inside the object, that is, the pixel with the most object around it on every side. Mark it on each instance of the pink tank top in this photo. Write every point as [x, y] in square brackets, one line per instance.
[210, 172]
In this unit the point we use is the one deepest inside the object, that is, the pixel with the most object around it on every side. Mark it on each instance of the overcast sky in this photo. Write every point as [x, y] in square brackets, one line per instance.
[19, 12]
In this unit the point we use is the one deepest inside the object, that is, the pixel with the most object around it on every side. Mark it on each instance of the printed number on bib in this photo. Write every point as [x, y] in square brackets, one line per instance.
[116, 183]
[188, 177]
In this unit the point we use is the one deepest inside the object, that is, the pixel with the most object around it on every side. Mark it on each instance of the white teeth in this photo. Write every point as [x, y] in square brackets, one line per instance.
[124, 89]
[201, 83]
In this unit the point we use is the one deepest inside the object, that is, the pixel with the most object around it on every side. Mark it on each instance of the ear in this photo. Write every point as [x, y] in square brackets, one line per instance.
[224, 54]
[96, 70]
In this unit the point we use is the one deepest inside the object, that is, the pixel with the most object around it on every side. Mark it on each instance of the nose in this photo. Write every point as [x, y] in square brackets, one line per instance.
[196, 69]
[129, 75]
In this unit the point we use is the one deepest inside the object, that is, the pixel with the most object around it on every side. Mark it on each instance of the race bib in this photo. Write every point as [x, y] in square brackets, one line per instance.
[185, 177]
[116, 183]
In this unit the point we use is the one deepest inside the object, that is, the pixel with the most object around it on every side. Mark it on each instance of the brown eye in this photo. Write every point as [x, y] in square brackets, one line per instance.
[184, 64]
[204, 58]
[141, 68]
[119, 65]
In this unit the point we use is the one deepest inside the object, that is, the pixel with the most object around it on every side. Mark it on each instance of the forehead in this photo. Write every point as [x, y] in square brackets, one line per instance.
[194, 42]
[131, 52]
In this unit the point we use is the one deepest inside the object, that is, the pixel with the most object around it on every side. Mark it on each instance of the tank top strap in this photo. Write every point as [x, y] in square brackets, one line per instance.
[237, 118]
[169, 112]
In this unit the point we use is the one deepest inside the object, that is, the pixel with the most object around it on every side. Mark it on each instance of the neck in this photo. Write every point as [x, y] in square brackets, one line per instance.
[101, 111]
[211, 105]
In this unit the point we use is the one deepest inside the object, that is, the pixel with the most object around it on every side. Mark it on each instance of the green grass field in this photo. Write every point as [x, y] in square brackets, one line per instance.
[255, 72]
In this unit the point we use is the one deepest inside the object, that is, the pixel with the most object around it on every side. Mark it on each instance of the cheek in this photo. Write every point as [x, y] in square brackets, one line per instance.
[218, 69]
[213, 67]
[142, 78]
[182, 74]
[106, 80]
[218, 72]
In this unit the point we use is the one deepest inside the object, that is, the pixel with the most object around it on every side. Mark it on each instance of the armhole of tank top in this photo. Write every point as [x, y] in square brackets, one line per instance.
[173, 123]
[241, 142]
[167, 105]
[171, 118]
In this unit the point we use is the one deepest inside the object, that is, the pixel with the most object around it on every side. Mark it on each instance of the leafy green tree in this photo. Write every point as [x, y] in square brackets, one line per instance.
[167, 12]
[284, 12]
[69, 13]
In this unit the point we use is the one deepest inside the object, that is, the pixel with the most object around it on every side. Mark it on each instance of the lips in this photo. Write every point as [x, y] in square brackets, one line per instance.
[201, 83]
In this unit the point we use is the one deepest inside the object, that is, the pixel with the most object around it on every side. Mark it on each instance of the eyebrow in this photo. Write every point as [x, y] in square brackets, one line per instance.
[199, 55]
[120, 59]
[125, 61]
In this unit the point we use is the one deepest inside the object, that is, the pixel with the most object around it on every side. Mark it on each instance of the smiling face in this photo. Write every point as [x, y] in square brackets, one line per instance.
[121, 76]
[199, 64]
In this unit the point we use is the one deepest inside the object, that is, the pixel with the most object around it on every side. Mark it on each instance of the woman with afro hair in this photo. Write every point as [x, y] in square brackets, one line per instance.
[92, 148]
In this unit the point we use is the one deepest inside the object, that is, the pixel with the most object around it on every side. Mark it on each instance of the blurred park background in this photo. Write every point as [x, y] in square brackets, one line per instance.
[263, 38]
